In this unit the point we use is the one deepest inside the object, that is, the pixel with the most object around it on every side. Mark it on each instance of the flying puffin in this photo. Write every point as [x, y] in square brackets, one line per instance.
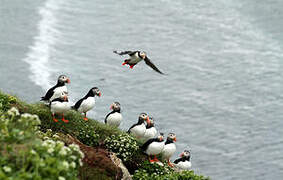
[150, 131]
[56, 90]
[169, 148]
[60, 105]
[138, 129]
[184, 162]
[114, 118]
[153, 146]
[136, 57]
[87, 103]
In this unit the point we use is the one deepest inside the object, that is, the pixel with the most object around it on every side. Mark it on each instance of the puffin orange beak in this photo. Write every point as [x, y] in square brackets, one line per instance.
[174, 139]
[99, 94]
[182, 154]
[65, 98]
[111, 106]
[147, 120]
[161, 138]
[68, 81]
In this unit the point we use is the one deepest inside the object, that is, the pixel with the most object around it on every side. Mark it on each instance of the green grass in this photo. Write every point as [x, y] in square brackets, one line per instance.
[91, 133]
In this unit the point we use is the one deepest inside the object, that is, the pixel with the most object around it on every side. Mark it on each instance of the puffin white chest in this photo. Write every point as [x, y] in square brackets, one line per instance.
[186, 165]
[149, 133]
[114, 119]
[58, 91]
[59, 107]
[87, 104]
[138, 130]
[169, 150]
[135, 59]
[155, 148]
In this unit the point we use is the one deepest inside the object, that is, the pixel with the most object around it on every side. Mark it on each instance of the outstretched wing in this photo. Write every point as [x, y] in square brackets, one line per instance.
[130, 53]
[149, 63]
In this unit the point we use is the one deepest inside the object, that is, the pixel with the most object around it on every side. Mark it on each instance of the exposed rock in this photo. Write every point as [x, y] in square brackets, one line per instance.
[98, 158]
[118, 163]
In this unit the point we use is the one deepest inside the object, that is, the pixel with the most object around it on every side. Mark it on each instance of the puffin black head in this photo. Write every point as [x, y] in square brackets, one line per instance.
[142, 54]
[150, 123]
[115, 106]
[143, 117]
[64, 96]
[94, 92]
[161, 137]
[171, 137]
[186, 153]
[62, 79]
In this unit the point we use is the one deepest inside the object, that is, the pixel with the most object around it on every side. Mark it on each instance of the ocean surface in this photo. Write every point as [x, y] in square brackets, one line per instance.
[224, 59]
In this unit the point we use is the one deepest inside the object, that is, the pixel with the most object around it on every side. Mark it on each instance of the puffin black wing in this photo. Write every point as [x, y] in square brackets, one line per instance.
[131, 128]
[78, 104]
[48, 95]
[149, 63]
[148, 142]
[130, 53]
[105, 120]
[178, 160]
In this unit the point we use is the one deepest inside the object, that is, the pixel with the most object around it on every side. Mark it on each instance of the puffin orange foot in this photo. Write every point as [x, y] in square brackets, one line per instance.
[152, 160]
[131, 66]
[170, 164]
[55, 120]
[86, 119]
[124, 63]
[65, 120]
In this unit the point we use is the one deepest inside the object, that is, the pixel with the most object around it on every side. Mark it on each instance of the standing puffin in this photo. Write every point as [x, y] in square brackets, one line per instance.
[136, 57]
[150, 131]
[59, 105]
[138, 129]
[114, 118]
[153, 146]
[56, 90]
[169, 148]
[184, 162]
[87, 103]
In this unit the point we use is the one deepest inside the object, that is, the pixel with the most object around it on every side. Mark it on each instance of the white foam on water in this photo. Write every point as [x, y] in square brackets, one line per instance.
[40, 52]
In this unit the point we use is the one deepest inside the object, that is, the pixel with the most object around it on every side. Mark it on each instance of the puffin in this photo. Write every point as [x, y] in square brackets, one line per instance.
[138, 129]
[114, 118]
[169, 148]
[150, 131]
[56, 90]
[184, 162]
[87, 103]
[153, 146]
[135, 58]
[60, 105]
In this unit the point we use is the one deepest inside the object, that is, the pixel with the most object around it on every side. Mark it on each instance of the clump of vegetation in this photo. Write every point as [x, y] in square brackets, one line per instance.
[31, 147]
[155, 171]
[25, 156]
[124, 145]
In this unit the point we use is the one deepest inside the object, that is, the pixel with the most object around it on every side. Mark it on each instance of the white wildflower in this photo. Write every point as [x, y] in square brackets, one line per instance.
[7, 169]
[26, 115]
[65, 164]
[73, 157]
[33, 152]
[50, 150]
[63, 151]
[73, 164]
[13, 112]
[61, 178]
[80, 162]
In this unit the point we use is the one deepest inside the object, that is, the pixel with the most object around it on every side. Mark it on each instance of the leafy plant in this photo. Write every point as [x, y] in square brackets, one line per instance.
[24, 156]
[124, 145]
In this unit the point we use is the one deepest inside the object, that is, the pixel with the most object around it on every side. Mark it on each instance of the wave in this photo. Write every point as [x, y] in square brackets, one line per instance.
[40, 52]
